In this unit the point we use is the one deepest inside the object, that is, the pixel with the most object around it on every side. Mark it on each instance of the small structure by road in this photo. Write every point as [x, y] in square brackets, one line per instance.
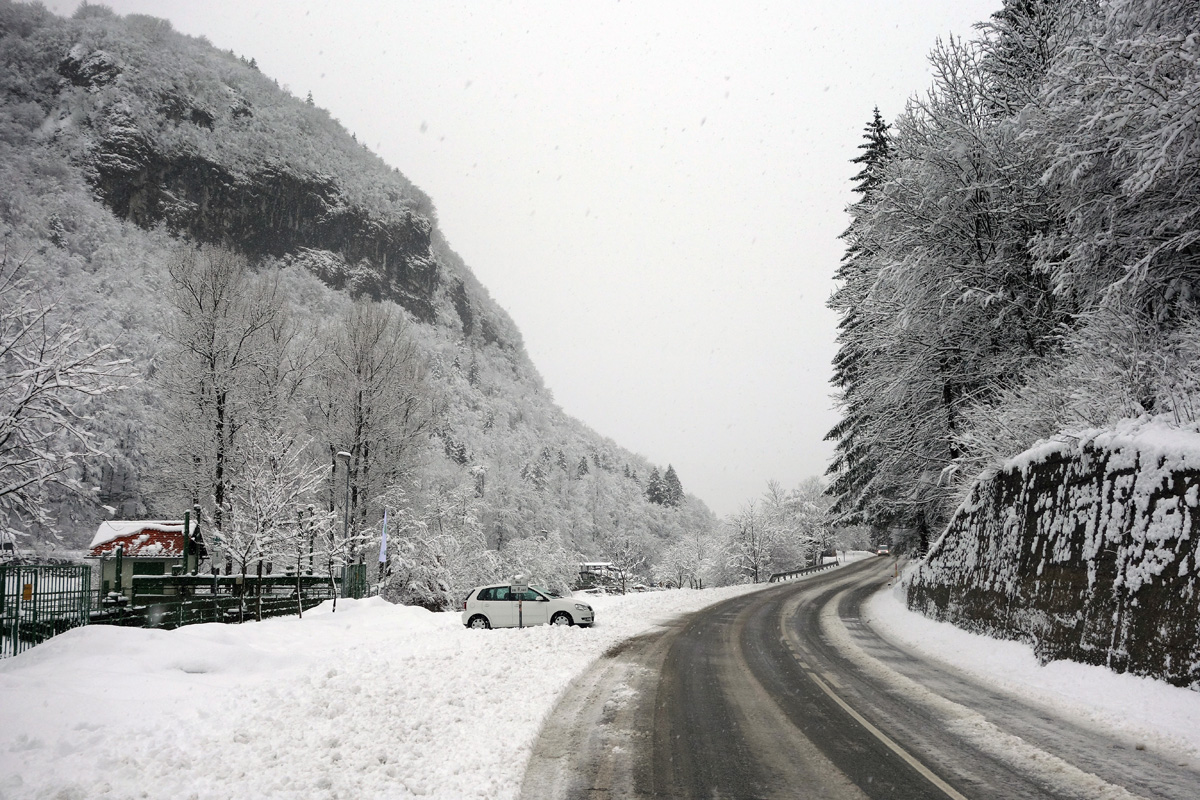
[126, 548]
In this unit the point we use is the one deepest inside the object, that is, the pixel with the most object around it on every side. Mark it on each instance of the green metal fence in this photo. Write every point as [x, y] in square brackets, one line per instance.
[170, 601]
[38, 601]
[354, 581]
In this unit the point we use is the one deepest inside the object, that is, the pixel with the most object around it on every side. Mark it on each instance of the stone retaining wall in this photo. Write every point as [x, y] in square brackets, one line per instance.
[1085, 548]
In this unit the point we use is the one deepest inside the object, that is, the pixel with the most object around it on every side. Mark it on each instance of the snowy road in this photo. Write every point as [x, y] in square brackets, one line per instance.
[787, 693]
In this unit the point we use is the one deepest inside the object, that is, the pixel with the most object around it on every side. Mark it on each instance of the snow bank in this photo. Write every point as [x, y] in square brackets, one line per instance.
[1085, 548]
[373, 701]
[1143, 709]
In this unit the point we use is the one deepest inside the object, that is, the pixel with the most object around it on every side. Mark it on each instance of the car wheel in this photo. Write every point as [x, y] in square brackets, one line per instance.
[561, 618]
[479, 622]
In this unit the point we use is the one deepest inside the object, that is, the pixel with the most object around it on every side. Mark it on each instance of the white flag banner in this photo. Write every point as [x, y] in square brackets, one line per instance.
[383, 540]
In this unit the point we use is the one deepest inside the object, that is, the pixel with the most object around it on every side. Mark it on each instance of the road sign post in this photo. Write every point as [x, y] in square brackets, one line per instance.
[519, 587]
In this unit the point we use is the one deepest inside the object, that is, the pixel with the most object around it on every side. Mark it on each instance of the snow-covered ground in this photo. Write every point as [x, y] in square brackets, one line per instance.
[1146, 710]
[384, 701]
[373, 701]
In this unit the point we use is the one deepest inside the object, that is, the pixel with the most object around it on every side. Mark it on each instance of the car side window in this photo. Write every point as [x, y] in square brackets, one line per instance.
[486, 595]
[501, 593]
[530, 596]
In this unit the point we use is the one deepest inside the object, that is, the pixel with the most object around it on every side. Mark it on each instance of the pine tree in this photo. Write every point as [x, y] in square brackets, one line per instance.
[876, 148]
[851, 465]
[656, 490]
[673, 488]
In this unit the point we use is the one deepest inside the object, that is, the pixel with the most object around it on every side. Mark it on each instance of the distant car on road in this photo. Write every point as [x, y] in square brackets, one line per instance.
[883, 551]
[497, 606]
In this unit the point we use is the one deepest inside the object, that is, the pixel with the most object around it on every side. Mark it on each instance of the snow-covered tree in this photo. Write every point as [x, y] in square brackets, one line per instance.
[276, 478]
[543, 559]
[627, 549]
[656, 490]
[371, 402]
[750, 540]
[439, 552]
[942, 302]
[689, 560]
[853, 463]
[672, 488]
[222, 344]
[48, 369]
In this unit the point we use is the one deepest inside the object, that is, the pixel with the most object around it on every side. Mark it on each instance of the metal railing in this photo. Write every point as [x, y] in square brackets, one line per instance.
[39, 601]
[779, 577]
[170, 601]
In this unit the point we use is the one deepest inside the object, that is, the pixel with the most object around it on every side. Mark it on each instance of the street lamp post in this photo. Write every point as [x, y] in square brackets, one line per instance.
[346, 529]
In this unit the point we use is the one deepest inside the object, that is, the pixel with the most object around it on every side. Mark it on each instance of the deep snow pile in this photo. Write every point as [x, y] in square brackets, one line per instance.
[373, 701]
[1146, 710]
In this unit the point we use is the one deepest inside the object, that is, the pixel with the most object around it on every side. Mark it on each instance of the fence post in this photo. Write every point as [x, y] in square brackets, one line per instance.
[187, 538]
[120, 552]
[36, 597]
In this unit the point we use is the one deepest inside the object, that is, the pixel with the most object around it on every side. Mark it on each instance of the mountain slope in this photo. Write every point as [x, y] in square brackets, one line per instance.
[122, 140]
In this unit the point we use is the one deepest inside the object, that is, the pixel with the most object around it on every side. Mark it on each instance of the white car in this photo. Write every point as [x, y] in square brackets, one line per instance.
[497, 606]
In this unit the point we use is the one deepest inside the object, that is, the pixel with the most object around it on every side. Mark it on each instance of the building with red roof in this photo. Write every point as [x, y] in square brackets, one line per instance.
[140, 547]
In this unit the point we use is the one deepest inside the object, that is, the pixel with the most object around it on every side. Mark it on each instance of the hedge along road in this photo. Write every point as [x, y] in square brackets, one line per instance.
[788, 693]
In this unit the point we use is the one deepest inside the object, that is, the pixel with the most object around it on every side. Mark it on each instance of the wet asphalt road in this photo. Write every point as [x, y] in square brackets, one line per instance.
[789, 693]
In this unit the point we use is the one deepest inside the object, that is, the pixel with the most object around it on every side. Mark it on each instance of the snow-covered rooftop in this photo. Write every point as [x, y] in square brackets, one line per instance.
[117, 528]
[138, 539]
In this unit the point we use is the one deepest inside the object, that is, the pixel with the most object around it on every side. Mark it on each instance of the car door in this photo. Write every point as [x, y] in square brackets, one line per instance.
[535, 608]
[504, 610]
[493, 603]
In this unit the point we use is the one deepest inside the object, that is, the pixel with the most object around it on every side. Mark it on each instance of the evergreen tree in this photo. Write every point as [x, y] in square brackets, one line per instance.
[673, 488]
[851, 465]
[876, 147]
[656, 490]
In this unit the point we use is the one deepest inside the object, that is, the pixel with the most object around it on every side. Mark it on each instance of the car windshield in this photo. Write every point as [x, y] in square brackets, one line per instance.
[546, 592]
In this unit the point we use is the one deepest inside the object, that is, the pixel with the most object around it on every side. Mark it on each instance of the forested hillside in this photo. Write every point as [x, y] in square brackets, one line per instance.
[1024, 257]
[264, 320]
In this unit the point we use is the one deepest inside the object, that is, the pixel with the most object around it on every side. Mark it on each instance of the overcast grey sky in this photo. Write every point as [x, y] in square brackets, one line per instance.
[652, 190]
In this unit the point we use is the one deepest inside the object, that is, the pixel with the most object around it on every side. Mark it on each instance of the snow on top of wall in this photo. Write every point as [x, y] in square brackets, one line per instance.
[1151, 436]
[116, 528]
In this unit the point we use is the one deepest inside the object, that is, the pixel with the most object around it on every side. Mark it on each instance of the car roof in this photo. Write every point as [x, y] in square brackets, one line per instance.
[498, 585]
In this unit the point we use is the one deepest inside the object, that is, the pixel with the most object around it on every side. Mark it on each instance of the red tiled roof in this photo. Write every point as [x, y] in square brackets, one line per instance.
[149, 542]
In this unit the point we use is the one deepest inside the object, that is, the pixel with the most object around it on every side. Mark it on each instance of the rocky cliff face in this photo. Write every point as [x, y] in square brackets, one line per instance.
[274, 212]
[1089, 549]
[173, 133]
